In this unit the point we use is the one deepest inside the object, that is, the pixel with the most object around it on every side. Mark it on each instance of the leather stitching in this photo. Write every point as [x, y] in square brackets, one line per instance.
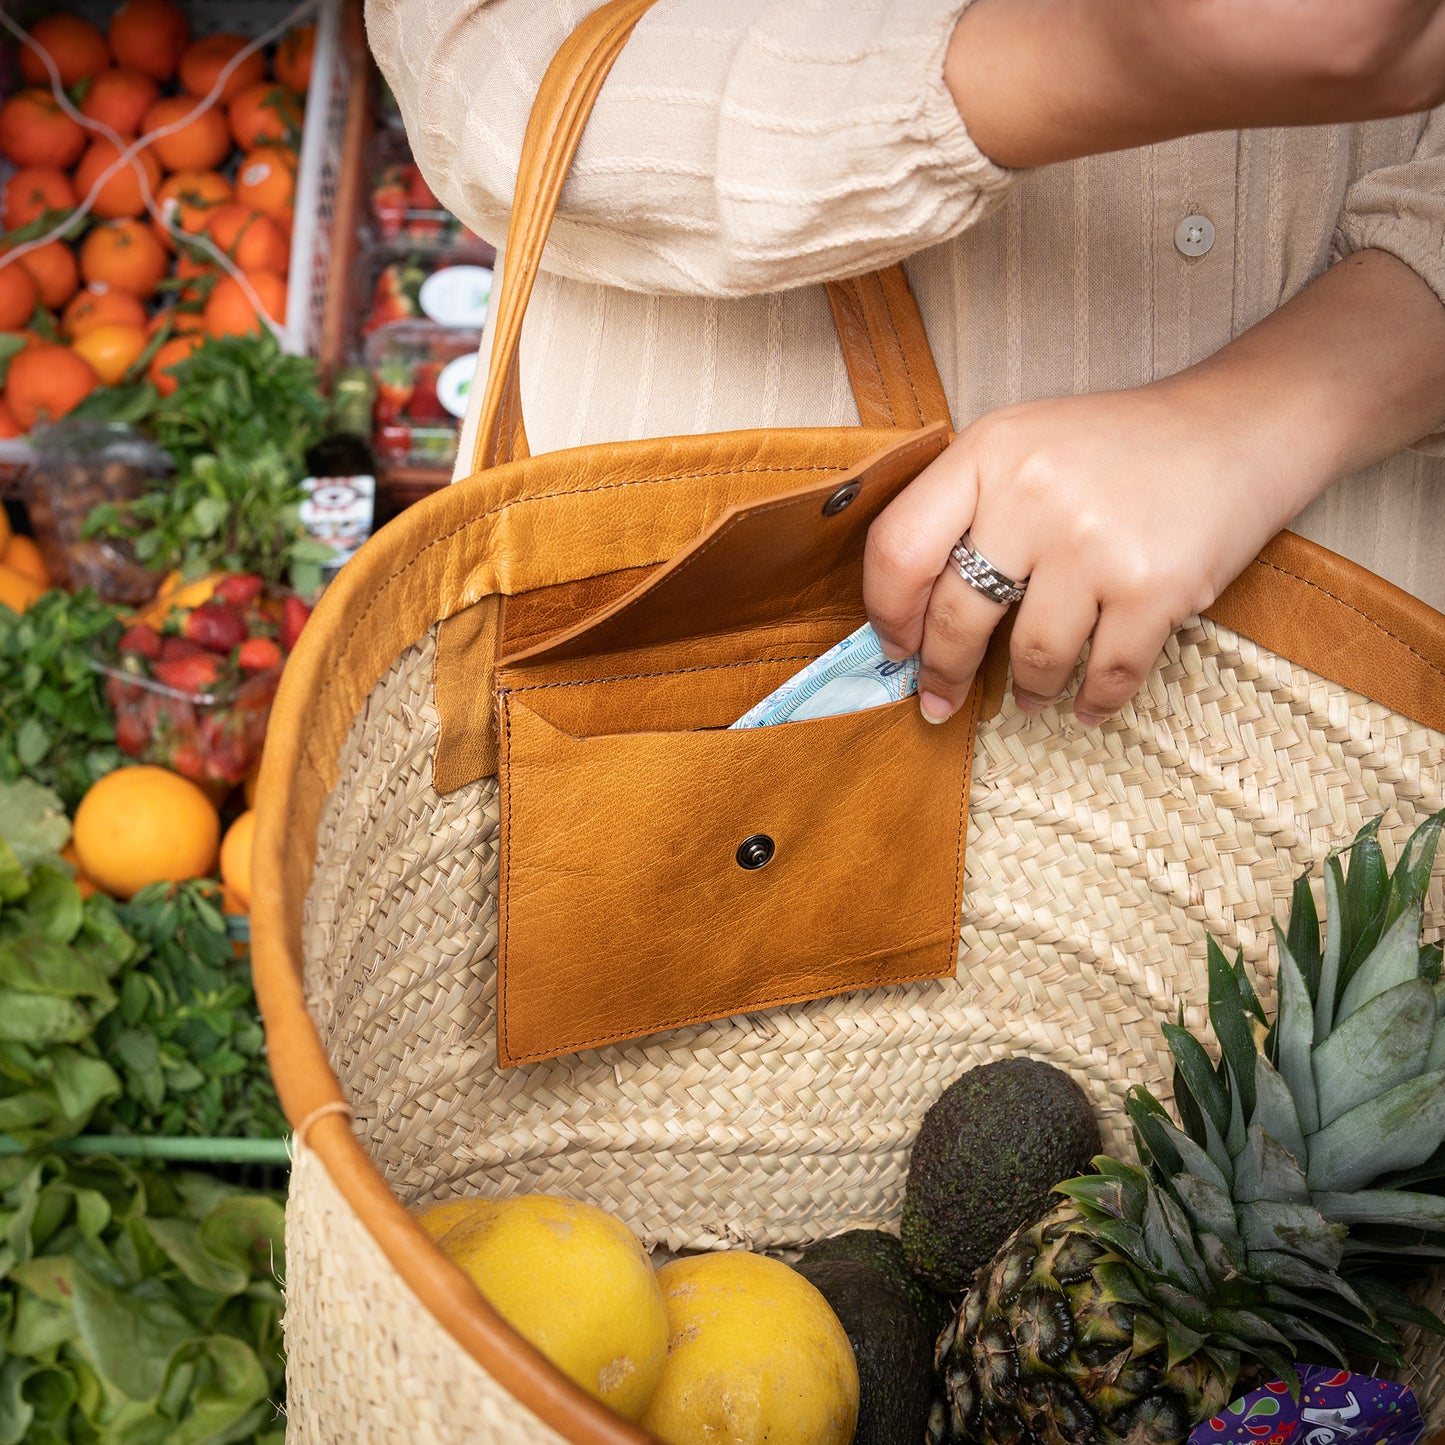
[639, 676]
[902, 353]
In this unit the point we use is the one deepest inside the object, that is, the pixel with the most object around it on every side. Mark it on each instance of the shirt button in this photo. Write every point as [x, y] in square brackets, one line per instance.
[1194, 235]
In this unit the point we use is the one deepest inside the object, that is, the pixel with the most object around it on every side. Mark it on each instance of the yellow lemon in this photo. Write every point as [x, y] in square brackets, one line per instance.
[754, 1353]
[572, 1280]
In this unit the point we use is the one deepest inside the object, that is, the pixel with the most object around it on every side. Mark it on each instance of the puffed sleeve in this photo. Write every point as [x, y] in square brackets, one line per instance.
[737, 147]
[1401, 209]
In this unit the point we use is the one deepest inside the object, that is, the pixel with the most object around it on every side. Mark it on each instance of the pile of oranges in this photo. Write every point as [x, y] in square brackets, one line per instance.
[84, 312]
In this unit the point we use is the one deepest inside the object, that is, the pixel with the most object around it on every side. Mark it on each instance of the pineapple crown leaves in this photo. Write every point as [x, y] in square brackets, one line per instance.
[1270, 1213]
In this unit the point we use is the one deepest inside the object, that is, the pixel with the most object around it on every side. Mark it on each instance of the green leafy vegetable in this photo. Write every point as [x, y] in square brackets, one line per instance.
[142, 1306]
[55, 727]
[238, 426]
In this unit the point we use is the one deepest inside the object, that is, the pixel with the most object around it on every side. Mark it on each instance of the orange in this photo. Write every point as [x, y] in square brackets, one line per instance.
[97, 305]
[122, 195]
[119, 97]
[252, 240]
[76, 47]
[174, 351]
[17, 591]
[205, 276]
[22, 554]
[207, 57]
[9, 427]
[201, 141]
[111, 349]
[265, 113]
[81, 881]
[187, 199]
[126, 255]
[293, 57]
[266, 181]
[145, 825]
[34, 131]
[18, 295]
[45, 382]
[236, 857]
[53, 267]
[229, 311]
[149, 36]
[33, 190]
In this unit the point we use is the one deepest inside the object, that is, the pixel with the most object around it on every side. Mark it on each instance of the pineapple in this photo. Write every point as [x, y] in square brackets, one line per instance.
[1269, 1219]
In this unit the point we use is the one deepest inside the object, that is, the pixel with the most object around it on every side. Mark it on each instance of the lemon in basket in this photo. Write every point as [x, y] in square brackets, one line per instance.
[754, 1353]
[572, 1280]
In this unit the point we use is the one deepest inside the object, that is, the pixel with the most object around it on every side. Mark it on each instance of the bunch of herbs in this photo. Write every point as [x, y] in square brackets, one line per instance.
[55, 727]
[238, 427]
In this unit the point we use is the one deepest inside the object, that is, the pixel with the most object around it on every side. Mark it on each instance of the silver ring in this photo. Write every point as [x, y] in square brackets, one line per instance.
[983, 576]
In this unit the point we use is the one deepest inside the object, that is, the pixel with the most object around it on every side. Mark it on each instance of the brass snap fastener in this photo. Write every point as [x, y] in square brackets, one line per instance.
[841, 498]
[754, 852]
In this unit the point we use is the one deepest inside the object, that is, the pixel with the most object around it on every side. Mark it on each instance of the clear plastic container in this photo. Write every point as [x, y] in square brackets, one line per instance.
[400, 205]
[423, 374]
[79, 465]
[445, 285]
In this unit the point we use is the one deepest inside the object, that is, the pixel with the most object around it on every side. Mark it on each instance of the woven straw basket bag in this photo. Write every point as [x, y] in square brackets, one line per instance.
[502, 938]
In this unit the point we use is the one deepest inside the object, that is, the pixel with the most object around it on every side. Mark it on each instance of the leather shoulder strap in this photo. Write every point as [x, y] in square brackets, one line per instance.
[885, 347]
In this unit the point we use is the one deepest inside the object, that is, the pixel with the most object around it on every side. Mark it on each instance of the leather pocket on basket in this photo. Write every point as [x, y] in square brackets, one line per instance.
[660, 868]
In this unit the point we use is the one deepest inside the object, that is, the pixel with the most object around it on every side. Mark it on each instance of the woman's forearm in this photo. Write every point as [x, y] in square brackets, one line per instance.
[1049, 80]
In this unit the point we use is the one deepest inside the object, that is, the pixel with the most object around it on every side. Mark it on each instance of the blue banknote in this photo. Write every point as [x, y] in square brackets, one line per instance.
[847, 678]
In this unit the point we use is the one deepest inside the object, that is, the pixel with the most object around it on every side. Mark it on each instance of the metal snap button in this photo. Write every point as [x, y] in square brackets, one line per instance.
[755, 851]
[1194, 235]
[841, 498]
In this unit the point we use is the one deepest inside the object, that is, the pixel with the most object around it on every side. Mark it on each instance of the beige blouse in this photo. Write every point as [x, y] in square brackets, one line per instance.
[743, 150]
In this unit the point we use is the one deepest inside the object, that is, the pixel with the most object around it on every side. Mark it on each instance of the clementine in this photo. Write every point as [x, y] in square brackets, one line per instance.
[266, 181]
[34, 131]
[76, 47]
[195, 139]
[53, 267]
[33, 190]
[150, 36]
[172, 353]
[119, 97]
[252, 240]
[17, 591]
[236, 857]
[124, 192]
[99, 305]
[126, 255]
[230, 312]
[187, 199]
[206, 58]
[18, 295]
[111, 349]
[45, 382]
[145, 825]
[265, 113]
[22, 554]
[293, 57]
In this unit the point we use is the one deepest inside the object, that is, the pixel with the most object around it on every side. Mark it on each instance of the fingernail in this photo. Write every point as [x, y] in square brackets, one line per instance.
[1030, 702]
[1089, 719]
[892, 651]
[934, 708]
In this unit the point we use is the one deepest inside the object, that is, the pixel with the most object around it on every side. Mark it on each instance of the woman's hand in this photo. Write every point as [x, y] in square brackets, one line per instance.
[1130, 510]
[1126, 511]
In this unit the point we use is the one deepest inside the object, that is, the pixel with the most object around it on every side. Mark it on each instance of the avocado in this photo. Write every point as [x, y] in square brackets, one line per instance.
[894, 1349]
[884, 1252]
[989, 1151]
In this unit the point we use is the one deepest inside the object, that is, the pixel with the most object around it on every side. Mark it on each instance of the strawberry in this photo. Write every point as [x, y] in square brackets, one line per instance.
[188, 674]
[392, 441]
[425, 404]
[216, 625]
[131, 734]
[175, 648]
[293, 619]
[239, 588]
[189, 761]
[258, 653]
[393, 391]
[388, 200]
[141, 639]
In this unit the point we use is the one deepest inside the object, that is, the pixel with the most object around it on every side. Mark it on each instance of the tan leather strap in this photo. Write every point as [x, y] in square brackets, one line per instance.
[885, 347]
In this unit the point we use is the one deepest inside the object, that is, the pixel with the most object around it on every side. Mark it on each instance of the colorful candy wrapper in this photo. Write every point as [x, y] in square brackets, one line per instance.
[1335, 1407]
